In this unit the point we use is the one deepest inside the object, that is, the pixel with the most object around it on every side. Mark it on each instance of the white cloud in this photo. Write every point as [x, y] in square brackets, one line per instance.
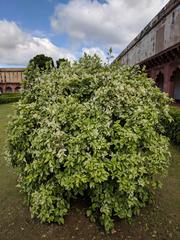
[97, 51]
[18, 47]
[113, 23]
[92, 27]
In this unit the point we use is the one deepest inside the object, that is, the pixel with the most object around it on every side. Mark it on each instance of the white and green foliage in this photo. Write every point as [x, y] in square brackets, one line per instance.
[90, 130]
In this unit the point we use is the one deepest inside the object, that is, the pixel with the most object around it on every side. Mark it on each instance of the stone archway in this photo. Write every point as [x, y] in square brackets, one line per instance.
[8, 90]
[160, 81]
[1, 90]
[176, 84]
[17, 89]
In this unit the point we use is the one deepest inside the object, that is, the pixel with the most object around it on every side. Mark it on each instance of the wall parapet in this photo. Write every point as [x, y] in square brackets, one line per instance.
[170, 6]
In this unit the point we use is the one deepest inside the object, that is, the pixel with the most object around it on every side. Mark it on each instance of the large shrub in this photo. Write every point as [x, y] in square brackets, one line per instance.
[94, 131]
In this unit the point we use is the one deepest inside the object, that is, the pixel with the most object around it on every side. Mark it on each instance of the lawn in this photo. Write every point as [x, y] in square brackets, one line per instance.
[158, 221]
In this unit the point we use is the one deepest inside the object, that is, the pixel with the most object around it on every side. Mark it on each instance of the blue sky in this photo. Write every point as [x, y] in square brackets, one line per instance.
[68, 28]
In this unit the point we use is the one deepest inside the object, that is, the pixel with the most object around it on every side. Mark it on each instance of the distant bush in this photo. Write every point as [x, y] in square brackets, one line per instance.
[9, 97]
[173, 127]
[90, 130]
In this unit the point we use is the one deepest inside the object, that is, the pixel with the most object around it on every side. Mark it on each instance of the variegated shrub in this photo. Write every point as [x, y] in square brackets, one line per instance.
[91, 130]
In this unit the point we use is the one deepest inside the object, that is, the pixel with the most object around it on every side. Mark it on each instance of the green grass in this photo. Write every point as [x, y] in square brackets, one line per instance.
[159, 221]
[6, 112]
[7, 174]
[170, 194]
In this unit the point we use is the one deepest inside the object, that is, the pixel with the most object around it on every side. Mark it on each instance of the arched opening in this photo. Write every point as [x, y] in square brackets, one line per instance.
[17, 89]
[176, 84]
[160, 81]
[1, 90]
[8, 90]
[148, 74]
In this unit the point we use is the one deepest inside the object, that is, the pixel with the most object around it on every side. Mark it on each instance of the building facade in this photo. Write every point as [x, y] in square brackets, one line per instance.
[158, 48]
[10, 79]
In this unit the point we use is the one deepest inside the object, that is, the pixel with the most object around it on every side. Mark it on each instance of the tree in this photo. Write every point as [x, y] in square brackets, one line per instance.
[37, 65]
[42, 62]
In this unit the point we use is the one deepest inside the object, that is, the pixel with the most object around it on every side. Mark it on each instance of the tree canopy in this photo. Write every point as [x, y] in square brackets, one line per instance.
[42, 62]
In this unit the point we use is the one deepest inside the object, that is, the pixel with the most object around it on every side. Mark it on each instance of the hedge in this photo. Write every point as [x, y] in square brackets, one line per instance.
[9, 97]
[173, 127]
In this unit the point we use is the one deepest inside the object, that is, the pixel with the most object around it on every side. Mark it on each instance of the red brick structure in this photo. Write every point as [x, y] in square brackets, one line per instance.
[158, 48]
[10, 79]
[165, 69]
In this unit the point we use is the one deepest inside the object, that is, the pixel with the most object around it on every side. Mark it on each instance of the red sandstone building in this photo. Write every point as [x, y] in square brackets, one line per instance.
[10, 79]
[158, 48]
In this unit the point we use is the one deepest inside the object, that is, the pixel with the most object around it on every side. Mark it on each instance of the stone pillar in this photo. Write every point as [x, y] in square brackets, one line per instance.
[4, 88]
[167, 79]
[173, 66]
[153, 74]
